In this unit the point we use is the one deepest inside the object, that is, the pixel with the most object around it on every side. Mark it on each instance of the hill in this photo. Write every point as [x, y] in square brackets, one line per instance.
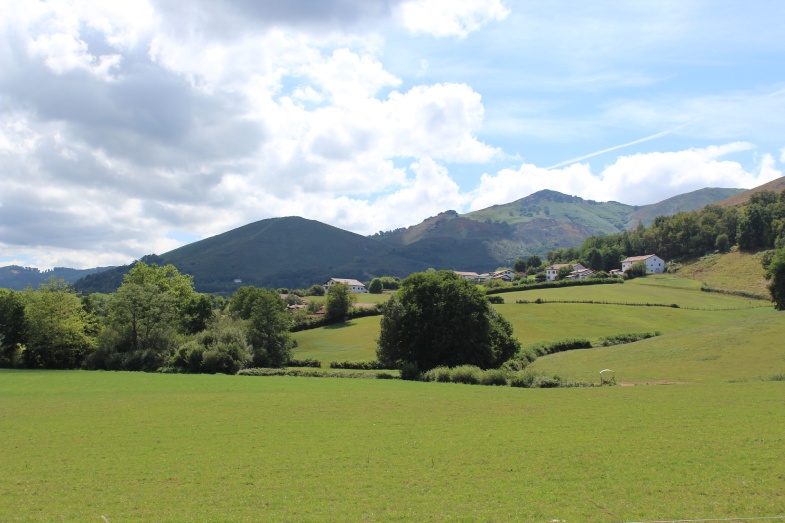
[536, 224]
[297, 253]
[277, 252]
[19, 278]
[775, 185]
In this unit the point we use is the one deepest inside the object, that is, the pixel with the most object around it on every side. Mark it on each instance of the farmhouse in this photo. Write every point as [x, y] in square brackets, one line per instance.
[580, 274]
[354, 285]
[552, 271]
[654, 264]
[471, 276]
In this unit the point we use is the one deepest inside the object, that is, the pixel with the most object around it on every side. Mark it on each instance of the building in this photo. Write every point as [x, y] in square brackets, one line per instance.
[552, 271]
[654, 264]
[354, 285]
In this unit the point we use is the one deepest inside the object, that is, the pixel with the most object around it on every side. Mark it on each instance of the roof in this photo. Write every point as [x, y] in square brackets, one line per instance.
[638, 258]
[472, 274]
[558, 266]
[347, 281]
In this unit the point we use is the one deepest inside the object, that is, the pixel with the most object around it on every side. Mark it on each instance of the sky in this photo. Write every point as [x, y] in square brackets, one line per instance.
[130, 128]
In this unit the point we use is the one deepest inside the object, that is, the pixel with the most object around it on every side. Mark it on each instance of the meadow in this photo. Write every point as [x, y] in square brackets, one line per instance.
[79, 446]
[705, 442]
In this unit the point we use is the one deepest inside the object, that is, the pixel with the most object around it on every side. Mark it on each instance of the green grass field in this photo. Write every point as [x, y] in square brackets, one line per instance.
[102, 446]
[144, 447]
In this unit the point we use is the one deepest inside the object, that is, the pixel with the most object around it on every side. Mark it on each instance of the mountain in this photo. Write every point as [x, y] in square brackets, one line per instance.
[536, 224]
[19, 278]
[277, 252]
[777, 185]
[684, 202]
[297, 253]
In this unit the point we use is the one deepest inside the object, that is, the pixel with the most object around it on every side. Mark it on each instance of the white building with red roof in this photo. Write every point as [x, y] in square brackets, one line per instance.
[654, 264]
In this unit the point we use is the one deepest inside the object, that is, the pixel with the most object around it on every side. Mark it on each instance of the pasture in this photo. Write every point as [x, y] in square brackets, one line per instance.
[709, 337]
[79, 446]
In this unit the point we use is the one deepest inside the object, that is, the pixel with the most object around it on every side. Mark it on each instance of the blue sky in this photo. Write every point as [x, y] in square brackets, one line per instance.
[133, 128]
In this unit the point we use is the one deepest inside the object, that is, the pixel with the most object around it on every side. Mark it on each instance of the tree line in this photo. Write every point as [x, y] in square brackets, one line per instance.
[155, 321]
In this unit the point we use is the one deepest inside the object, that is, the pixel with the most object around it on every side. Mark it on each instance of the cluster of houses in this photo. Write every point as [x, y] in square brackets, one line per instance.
[654, 265]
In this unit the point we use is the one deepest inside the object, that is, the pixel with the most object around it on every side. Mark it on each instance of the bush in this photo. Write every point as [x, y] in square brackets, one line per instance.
[410, 371]
[468, 374]
[493, 377]
[439, 374]
[543, 349]
[498, 300]
[357, 365]
[546, 382]
[523, 379]
[384, 376]
[619, 339]
[308, 362]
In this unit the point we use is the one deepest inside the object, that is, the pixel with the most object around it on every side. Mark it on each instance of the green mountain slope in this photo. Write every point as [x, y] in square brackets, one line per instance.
[278, 252]
[684, 202]
[19, 278]
[297, 253]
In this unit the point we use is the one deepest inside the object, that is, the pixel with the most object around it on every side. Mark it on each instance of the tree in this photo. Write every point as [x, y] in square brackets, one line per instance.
[59, 331]
[267, 325]
[776, 273]
[520, 265]
[441, 319]
[152, 307]
[564, 272]
[13, 327]
[339, 300]
[595, 261]
[722, 243]
[533, 262]
[376, 286]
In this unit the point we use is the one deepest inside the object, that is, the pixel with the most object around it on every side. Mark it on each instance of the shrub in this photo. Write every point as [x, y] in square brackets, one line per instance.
[523, 379]
[619, 339]
[308, 362]
[439, 374]
[468, 374]
[546, 382]
[496, 299]
[384, 376]
[410, 371]
[493, 377]
[543, 349]
[780, 376]
[357, 365]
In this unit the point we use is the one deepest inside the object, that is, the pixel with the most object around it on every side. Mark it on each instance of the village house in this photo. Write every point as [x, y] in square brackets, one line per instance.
[354, 285]
[471, 276]
[552, 271]
[654, 264]
[580, 274]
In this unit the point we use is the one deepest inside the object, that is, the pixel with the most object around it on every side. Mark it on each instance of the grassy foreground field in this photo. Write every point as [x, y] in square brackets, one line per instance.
[143, 447]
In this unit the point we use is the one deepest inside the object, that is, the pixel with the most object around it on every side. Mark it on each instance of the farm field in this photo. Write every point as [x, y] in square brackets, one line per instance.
[709, 337]
[153, 447]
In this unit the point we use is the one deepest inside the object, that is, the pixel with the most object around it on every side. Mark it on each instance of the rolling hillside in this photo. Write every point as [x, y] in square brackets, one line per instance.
[775, 185]
[297, 253]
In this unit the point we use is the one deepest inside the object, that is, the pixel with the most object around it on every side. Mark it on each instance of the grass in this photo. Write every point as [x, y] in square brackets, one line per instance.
[351, 341]
[735, 271]
[142, 447]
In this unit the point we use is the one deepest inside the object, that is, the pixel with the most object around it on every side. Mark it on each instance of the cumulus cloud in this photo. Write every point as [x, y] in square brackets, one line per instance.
[442, 18]
[636, 179]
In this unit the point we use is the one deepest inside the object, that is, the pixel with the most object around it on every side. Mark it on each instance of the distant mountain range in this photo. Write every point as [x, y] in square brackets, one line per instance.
[297, 253]
[18, 278]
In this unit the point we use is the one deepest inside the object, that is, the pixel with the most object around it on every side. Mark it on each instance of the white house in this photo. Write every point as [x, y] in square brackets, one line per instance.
[354, 285]
[504, 274]
[654, 264]
[552, 271]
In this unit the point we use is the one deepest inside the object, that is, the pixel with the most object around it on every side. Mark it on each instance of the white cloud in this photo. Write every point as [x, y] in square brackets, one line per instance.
[636, 179]
[442, 18]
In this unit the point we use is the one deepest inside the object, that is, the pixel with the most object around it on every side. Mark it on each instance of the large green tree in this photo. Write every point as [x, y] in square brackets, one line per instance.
[776, 273]
[60, 333]
[339, 299]
[438, 318]
[153, 308]
[267, 325]
[13, 326]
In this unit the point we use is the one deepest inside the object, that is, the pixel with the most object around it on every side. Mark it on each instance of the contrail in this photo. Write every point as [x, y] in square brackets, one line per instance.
[622, 146]
[655, 136]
